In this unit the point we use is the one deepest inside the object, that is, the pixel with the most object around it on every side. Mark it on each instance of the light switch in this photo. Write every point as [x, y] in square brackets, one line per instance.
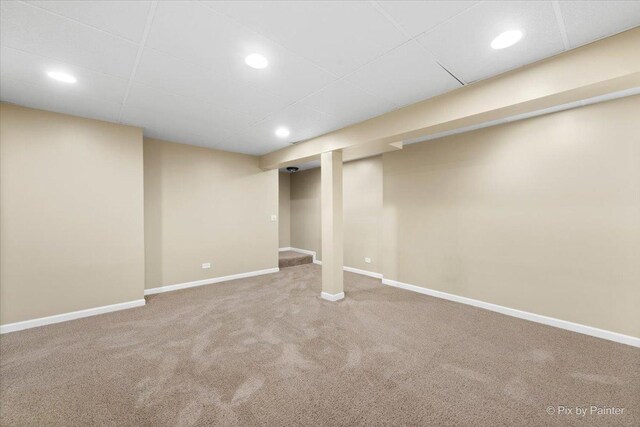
[367, 260]
[274, 218]
[206, 265]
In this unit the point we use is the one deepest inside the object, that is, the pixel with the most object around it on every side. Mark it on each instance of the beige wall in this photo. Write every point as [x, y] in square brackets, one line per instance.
[284, 209]
[204, 205]
[71, 209]
[363, 213]
[305, 211]
[362, 190]
[541, 215]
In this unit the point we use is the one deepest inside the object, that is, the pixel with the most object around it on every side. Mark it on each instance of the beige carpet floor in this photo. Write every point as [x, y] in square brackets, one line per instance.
[268, 351]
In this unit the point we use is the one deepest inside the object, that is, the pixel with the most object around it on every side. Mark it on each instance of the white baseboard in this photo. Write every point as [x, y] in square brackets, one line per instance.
[332, 297]
[304, 251]
[288, 248]
[193, 284]
[355, 270]
[538, 318]
[49, 320]
[363, 272]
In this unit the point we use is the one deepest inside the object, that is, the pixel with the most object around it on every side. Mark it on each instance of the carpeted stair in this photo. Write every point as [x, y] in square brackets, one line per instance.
[291, 258]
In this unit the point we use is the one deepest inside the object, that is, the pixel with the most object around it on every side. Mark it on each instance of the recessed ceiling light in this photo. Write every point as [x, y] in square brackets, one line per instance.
[506, 39]
[282, 132]
[255, 60]
[61, 77]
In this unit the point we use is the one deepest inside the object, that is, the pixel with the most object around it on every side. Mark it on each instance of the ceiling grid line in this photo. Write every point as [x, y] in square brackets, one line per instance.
[451, 73]
[395, 23]
[145, 34]
[451, 18]
[560, 20]
[84, 24]
[381, 9]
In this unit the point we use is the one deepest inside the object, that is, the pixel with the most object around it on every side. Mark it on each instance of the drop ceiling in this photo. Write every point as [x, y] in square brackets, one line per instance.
[177, 69]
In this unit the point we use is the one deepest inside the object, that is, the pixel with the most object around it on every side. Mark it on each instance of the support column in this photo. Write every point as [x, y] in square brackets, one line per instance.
[332, 237]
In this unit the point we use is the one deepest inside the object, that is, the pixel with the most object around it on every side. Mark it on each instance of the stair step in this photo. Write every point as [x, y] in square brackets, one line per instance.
[291, 258]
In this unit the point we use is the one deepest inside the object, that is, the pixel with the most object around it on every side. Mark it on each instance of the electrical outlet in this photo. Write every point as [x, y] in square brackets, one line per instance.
[367, 260]
[206, 265]
[274, 218]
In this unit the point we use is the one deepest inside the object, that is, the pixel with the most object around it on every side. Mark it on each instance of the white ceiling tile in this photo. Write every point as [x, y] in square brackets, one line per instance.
[200, 82]
[462, 44]
[169, 127]
[33, 69]
[191, 31]
[288, 76]
[586, 21]
[123, 18]
[188, 114]
[217, 43]
[34, 30]
[177, 76]
[57, 98]
[167, 131]
[415, 76]
[302, 122]
[417, 17]
[339, 36]
[248, 143]
[347, 103]
[251, 141]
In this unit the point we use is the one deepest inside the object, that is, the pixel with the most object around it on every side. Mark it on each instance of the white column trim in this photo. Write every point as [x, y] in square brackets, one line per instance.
[332, 222]
[332, 297]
